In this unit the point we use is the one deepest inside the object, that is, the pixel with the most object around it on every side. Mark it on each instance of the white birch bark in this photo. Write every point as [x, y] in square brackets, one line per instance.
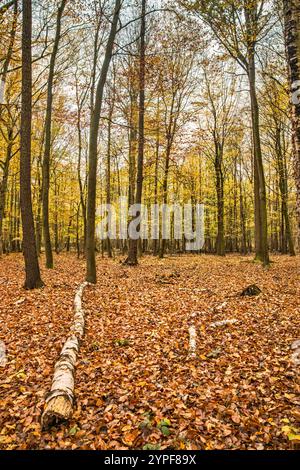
[292, 40]
[60, 400]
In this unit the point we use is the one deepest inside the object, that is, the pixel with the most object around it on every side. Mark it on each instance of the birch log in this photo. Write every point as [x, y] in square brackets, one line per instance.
[60, 400]
[292, 39]
[224, 323]
[296, 352]
[192, 336]
[193, 341]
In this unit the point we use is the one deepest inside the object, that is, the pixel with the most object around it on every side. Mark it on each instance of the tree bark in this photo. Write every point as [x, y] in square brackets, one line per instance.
[60, 400]
[108, 170]
[81, 186]
[220, 245]
[261, 224]
[283, 187]
[162, 247]
[132, 259]
[292, 39]
[3, 185]
[33, 278]
[92, 177]
[48, 127]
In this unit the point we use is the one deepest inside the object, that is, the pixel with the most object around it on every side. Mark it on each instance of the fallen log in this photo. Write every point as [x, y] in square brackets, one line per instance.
[193, 342]
[296, 354]
[60, 400]
[192, 336]
[224, 323]
[3, 358]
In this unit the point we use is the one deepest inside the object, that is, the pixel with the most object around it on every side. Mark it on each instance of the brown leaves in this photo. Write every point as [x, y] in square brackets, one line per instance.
[135, 387]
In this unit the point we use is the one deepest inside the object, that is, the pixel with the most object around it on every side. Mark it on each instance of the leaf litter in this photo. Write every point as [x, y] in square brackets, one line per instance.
[136, 386]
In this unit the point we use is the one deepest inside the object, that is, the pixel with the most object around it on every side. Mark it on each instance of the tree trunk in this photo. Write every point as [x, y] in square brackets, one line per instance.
[48, 126]
[38, 225]
[242, 214]
[108, 172]
[157, 145]
[92, 177]
[162, 248]
[81, 186]
[3, 188]
[220, 245]
[132, 259]
[283, 187]
[292, 39]
[33, 278]
[261, 224]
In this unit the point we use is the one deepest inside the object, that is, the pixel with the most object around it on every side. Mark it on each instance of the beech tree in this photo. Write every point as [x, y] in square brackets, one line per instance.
[292, 40]
[133, 243]
[182, 159]
[47, 151]
[94, 131]
[239, 26]
[33, 279]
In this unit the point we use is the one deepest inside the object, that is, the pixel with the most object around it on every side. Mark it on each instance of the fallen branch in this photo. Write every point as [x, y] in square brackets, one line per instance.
[60, 400]
[296, 354]
[3, 358]
[224, 323]
[193, 337]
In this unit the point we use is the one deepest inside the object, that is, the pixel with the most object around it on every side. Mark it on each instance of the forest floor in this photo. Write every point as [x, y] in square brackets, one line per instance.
[136, 386]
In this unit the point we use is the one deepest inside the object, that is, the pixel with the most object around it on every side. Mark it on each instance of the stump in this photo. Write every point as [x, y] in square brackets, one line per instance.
[251, 291]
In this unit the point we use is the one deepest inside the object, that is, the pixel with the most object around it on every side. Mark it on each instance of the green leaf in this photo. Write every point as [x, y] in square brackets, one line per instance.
[164, 422]
[165, 430]
[151, 447]
[73, 431]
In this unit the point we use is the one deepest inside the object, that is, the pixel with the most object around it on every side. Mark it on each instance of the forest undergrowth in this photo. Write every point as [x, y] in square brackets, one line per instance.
[136, 386]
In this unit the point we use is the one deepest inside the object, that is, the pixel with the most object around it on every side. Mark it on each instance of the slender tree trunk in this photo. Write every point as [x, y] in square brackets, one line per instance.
[92, 177]
[220, 245]
[3, 187]
[235, 208]
[38, 225]
[292, 39]
[69, 234]
[261, 223]
[108, 172]
[56, 234]
[133, 148]
[33, 278]
[242, 214]
[82, 205]
[48, 126]
[81, 187]
[155, 247]
[132, 259]
[162, 247]
[283, 187]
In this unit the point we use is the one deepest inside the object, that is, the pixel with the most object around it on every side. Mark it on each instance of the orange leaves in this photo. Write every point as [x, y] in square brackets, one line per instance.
[129, 438]
[145, 394]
